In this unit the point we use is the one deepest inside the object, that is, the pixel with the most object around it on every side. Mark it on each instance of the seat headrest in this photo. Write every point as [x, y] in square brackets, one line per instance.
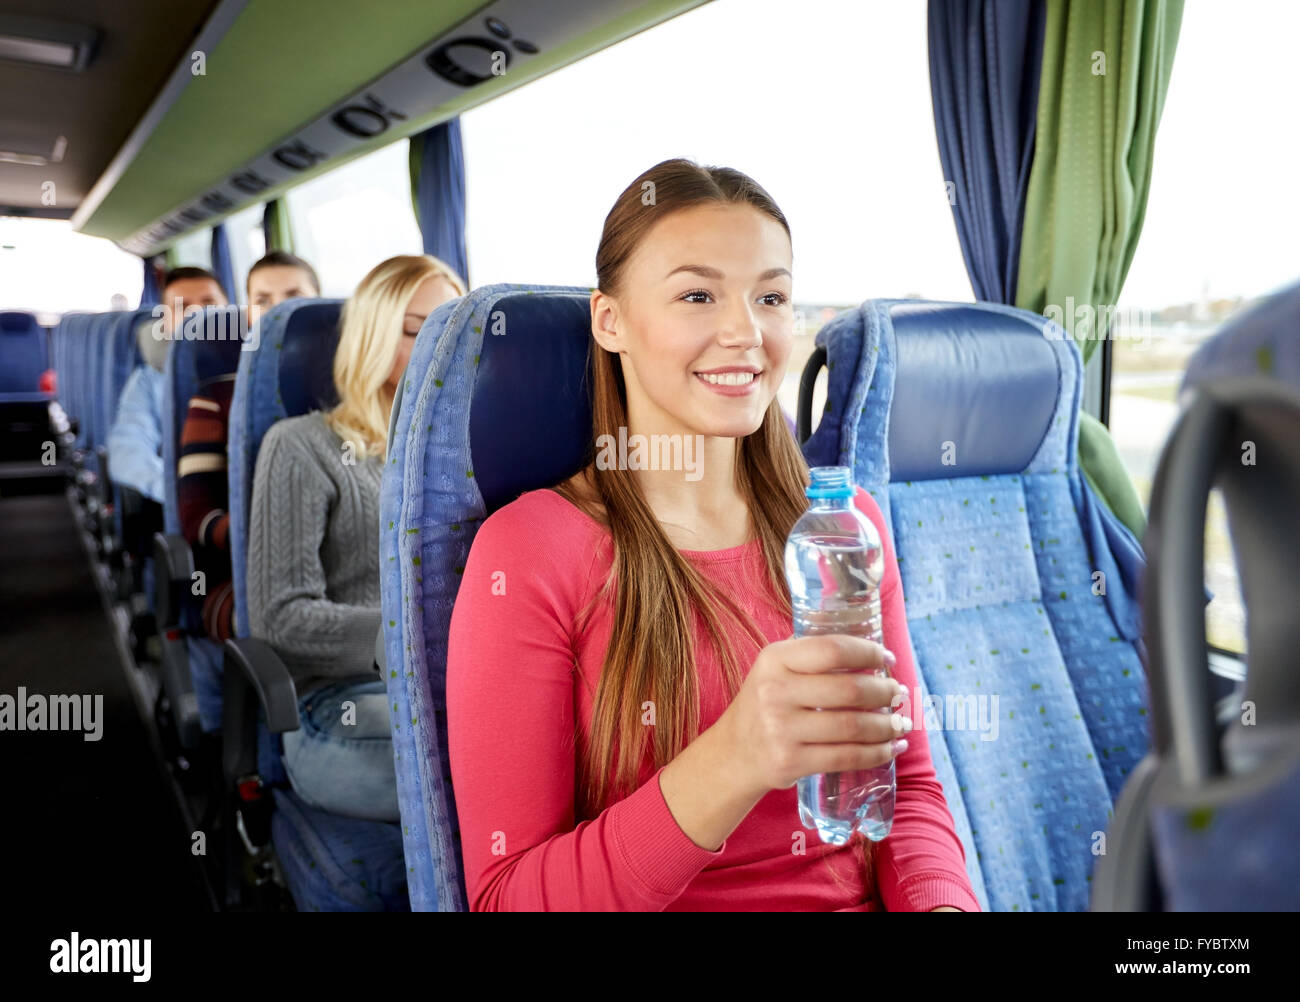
[1261, 341]
[952, 390]
[220, 335]
[22, 357]
[18, 322]
[206, 345]
[289, 367]
[309, 333]
[530, 411]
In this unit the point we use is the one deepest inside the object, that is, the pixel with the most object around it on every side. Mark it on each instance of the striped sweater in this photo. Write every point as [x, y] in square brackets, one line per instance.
[203, 495]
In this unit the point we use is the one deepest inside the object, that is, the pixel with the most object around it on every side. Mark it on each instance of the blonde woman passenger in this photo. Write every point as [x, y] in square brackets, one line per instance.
[313, 553]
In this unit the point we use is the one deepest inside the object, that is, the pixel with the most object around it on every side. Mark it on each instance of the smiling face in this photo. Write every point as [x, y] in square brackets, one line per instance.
[703, 321]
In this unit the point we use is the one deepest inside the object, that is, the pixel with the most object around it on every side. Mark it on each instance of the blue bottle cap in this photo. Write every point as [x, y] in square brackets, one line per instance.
[831, 482]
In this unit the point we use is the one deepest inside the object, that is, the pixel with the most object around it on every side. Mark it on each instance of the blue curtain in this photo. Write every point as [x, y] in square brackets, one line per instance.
[438, 193]
[985, 57]
[151, 295]
[221, 264]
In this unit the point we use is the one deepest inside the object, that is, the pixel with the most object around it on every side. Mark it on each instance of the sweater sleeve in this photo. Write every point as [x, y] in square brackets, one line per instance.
[288, 605]
[135, 440]
[511, 726]
[921, 865]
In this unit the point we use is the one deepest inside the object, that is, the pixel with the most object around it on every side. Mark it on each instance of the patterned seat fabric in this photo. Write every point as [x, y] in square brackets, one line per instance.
[329, 862]
[494, 403]
[960, 419]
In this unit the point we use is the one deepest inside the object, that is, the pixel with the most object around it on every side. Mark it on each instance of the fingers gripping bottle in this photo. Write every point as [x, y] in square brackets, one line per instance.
[834, 563]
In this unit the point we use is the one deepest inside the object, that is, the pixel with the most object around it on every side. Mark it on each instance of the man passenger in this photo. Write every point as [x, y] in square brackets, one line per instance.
[201, 486]
[135, 440]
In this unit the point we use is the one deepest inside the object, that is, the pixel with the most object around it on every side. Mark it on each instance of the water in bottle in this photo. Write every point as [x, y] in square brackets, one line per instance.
[834, 563]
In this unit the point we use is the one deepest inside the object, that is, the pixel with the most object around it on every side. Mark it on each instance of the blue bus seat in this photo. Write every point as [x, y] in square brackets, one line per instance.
[76, 364]
[100, 332]
[27, 419]
[59, 342]
[116, 355]
[1207, 823]
[961, 420]
[121, 356]
[191, 661]
[79, 338]
[330, 863]
[24, 358]
[65, 416]
[482, 419]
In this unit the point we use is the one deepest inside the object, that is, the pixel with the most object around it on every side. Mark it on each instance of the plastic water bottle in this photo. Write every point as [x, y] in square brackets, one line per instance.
[834, 563]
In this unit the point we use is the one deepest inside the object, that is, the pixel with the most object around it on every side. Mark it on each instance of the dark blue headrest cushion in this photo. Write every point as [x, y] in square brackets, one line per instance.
[17, 322]
[530, 416]
[307, 359]
[986, 382]
[216, 352]
[22, 353]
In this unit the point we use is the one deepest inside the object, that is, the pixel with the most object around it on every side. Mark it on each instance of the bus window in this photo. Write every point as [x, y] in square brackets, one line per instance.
[195, 250]
[872, 226]
[247, 245]
[348, 220]
[1196, 266]
[47, 268]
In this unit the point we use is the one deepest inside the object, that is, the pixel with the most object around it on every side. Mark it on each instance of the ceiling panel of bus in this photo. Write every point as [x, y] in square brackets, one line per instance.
[94, 110]
[280, 66]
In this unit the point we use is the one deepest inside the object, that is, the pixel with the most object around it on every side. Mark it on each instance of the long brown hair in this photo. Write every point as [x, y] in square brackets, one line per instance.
[659, 596]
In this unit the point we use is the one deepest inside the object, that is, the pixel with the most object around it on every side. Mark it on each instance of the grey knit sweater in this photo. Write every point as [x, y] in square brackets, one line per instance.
[313, 552]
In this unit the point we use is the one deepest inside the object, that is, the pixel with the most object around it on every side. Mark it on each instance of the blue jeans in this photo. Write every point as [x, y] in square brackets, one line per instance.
[341, 757]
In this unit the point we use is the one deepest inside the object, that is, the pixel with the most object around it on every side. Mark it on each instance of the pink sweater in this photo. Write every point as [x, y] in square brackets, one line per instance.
[518, 675]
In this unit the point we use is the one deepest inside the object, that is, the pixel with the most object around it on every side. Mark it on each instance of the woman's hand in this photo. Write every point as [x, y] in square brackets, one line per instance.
[813, 705]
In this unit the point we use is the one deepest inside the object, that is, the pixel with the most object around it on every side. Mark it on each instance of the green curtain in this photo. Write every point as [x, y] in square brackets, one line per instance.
[1100, 463]
[1105, 73]
[276, 227]
[172, 258]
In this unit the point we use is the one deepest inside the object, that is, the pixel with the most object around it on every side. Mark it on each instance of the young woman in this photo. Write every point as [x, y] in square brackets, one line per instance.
[313, 548]
[627, 712]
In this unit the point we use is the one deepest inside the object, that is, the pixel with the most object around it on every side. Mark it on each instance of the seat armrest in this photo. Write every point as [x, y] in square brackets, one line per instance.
[173, 573]
[260, 667]
[253, 678]
[132, 501]
[1125, 877]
